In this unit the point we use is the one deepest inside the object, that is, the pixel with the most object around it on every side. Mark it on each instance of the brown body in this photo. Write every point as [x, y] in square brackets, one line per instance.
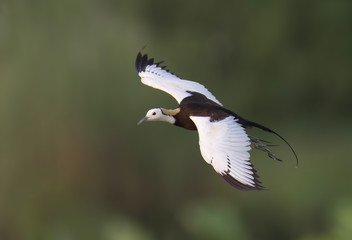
[198, 105]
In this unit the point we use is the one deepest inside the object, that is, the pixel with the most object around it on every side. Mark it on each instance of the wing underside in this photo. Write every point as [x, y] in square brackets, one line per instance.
[225, 145]
[156, 76]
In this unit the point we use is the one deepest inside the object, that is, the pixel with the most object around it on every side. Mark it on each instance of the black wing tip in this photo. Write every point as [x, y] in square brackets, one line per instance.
[234, 183]
[142, 62]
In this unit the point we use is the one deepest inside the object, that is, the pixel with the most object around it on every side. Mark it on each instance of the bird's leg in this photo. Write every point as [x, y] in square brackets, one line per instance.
[259, 144]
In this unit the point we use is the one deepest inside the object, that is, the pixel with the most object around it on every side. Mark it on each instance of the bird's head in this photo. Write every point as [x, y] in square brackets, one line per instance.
[158, 114]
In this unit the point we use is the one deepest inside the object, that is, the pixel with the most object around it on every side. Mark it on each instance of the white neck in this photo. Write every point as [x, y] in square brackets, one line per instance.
[167, 118]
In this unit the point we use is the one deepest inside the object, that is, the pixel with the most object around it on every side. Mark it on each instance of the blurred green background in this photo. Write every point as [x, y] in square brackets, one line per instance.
[74, 165]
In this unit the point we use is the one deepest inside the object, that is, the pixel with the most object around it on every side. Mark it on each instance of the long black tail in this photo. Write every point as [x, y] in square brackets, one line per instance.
[247, 123]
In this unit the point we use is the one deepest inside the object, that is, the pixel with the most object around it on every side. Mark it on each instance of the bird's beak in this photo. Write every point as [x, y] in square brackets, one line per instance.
[142, 120]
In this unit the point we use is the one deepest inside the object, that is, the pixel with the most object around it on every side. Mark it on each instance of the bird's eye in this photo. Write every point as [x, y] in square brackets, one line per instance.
[154, 113]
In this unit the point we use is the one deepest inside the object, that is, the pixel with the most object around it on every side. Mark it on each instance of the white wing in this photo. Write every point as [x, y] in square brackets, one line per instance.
[158, 77]
[224, 144]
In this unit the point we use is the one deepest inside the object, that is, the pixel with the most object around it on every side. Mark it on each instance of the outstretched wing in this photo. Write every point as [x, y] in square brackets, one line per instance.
[225, 145]
[156, 76]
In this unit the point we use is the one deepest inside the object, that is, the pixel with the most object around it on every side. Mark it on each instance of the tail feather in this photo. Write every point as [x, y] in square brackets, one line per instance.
[260, 145]
[257, 142]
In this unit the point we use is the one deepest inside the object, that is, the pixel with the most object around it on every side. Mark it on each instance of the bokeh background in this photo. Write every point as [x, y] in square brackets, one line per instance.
[74, 164]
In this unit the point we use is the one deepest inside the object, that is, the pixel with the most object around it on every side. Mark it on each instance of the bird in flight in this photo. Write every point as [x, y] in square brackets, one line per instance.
[223, 140]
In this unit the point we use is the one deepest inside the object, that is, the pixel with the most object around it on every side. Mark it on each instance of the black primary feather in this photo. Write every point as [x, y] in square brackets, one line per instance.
[233, 182]
[142, 62]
